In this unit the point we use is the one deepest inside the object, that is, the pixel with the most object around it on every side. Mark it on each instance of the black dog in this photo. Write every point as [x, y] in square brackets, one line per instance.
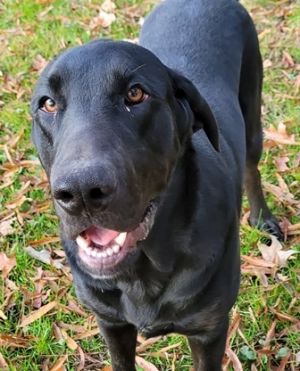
[149, 203]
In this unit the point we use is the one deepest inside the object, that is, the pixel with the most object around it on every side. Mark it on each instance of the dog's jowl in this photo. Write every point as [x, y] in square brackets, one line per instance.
[146, 148]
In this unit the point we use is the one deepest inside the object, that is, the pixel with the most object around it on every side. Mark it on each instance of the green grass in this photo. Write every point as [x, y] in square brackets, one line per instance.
[32, 28]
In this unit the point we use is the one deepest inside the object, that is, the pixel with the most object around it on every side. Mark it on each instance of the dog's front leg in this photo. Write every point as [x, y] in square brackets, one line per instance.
[121, 342]
[207, 356]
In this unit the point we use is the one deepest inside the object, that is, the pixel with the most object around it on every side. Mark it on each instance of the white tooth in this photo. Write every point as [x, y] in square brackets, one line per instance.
[94, 253]
[121, 238]
[104, 255]
[82, 242]
[99, 254]
[89, 252]
[116, 248]
[109, 252]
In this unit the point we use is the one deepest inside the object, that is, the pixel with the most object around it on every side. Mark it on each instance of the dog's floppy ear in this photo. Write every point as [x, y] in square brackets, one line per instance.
[204, 118]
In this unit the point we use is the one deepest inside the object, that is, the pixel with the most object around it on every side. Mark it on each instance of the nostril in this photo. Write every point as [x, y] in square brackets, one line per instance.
[96, 194]
[63, 196]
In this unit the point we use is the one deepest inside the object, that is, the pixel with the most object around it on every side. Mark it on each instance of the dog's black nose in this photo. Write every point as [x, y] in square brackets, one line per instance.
[89, 189]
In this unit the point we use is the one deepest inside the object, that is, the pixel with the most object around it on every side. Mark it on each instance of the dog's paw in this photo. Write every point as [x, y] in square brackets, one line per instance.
[269, 224]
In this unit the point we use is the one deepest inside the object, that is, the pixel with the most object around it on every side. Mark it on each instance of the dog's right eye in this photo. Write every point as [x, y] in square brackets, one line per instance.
[48, 105]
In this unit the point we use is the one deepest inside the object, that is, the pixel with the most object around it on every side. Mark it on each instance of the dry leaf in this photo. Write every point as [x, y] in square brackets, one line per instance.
[285, 316]
[6, 227]
[108, 6]
[35, 315]
[43, 256]
[2, 315]
[270, 335]
[279, 135]
[145, 365]
[297, 84]
[163, 351]
[145, 344]
[3, 364]
[13, 341]
[59, 364]
[236, 364]
[44, 241]
[275, 253]
[103, 19]
[73, 306]
[87, 334]
[257, 261]
[80, 367]
[284, 196]
[69, 341]
[267, 63]
[287, 60]
[6, 264]
[39, 63]
[281, 163]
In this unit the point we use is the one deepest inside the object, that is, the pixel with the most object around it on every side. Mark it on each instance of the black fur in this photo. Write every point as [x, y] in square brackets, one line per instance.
[188, 147]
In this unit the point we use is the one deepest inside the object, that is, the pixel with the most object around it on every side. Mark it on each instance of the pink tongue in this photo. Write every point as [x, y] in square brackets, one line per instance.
[101, 236]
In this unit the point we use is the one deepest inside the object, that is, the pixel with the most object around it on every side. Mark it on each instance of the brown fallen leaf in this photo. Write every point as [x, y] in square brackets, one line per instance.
[7, 340]
[283, 196]
[257, 261]
[145, 344]
[73, 306]
[281, 164]
[43, 256]
[2, 315]
[297, 83]
[279, 135]
[287, 60]
[6, 264]
[145, 365]
[3, 364]
[103, 19]
[234, 325]
[283, 362]
[6, 227]
[236, 364]
[284, 316]
[57, 332]
[80, 367]
[87, 334]
[59, 364]
[44, 241]
[39, 63]
[161, 352]
[275, 253]
[69, 341]
[37, 314]
[108, 6]
[267, 63]
[270, 335]
[79, 329]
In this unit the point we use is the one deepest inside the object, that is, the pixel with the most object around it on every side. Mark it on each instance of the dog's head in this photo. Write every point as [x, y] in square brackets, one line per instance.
[110, 122]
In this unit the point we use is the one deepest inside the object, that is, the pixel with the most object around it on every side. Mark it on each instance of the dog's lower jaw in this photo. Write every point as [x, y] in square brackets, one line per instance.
[101, 251]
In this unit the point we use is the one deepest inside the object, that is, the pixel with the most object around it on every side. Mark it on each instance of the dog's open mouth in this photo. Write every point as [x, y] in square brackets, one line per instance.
[101, 248]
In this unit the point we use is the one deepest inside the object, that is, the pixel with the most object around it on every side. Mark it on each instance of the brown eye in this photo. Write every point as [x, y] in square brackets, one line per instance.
[49, 106]
[136, 95]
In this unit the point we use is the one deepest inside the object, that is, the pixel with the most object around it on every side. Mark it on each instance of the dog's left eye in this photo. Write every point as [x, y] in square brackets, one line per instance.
[136, 95]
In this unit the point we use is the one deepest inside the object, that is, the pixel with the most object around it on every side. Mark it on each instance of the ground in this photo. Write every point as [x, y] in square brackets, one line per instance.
[42, 326]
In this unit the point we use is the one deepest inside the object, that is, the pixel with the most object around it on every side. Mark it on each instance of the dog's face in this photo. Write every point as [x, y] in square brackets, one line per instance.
[110, 122]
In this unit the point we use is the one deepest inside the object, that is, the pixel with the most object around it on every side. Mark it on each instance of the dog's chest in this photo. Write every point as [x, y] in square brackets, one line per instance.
[150, 318]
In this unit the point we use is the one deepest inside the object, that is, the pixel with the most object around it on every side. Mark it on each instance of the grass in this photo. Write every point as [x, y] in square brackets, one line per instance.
[29, 29]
